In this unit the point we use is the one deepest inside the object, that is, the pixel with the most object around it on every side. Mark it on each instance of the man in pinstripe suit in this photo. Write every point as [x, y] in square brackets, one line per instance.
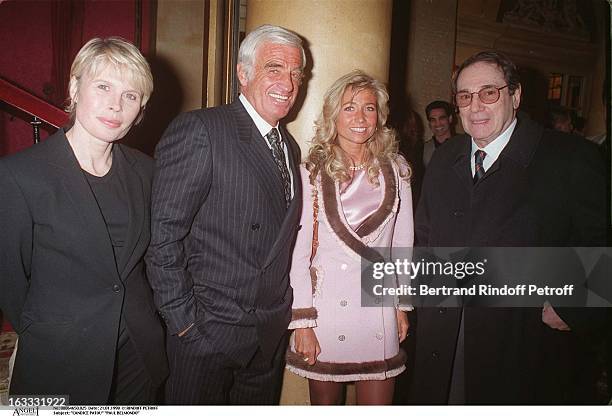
[225, 210]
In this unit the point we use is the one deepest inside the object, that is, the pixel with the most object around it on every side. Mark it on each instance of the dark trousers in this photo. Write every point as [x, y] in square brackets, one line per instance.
[200, 375]
[131, 382]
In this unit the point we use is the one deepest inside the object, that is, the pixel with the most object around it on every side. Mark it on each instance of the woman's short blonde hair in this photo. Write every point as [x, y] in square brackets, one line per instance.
[96, 54]
[325, 152]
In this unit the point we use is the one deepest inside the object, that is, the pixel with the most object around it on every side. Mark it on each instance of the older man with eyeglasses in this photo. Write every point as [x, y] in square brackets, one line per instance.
[506, 183]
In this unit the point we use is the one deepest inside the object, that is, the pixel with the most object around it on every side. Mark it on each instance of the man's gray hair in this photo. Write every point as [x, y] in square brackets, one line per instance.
[266, 34]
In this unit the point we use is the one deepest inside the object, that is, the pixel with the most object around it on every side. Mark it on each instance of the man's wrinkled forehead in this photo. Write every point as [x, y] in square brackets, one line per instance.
[267, 51]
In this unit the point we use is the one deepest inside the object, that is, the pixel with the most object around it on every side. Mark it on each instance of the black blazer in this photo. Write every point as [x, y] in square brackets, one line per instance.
[545, 189]
[221, 235]
[60, 285]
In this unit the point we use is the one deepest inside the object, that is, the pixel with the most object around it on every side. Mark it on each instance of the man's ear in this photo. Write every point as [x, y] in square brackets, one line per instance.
[242, 76]
[516, 97]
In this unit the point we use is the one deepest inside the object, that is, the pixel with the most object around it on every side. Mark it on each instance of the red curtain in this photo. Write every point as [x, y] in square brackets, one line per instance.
[67, 38]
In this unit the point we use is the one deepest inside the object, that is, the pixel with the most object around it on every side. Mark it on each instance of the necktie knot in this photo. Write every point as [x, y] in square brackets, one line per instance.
[479, 156]
[478, 165]
[273, 136]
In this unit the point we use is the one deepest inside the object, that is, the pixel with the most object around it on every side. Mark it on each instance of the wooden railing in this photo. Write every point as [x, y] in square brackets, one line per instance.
[40, 110]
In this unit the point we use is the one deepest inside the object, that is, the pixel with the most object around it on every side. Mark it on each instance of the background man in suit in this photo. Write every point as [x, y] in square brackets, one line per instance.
[225, 211]
[508, 182]
[440, 119]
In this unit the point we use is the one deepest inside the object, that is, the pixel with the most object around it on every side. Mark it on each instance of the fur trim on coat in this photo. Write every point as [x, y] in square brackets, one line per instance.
[340, 372]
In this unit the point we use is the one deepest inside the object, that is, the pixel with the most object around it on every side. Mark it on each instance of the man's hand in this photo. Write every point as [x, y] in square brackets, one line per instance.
[550, 318]
[402, 325]
[307, 345]
[184, 331]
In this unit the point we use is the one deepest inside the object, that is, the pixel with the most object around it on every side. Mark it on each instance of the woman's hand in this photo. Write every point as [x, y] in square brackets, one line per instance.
[307, 345]
[402, 325]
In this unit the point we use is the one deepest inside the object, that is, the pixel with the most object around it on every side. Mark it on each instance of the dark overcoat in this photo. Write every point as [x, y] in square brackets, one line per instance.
[545, 189]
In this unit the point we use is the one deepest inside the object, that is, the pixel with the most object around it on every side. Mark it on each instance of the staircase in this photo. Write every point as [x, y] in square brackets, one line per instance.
[37, 112]
[31, 108]
[7, 344]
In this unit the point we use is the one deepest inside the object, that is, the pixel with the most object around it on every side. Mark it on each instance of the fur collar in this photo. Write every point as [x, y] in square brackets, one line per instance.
[332, 209]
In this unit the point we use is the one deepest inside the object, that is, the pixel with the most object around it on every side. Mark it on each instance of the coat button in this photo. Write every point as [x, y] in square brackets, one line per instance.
[435, 355]
[344, 266]
[255, 227]
[457, 213]
[341, 338]
[116, 288]
[343, 303]
[379, 336]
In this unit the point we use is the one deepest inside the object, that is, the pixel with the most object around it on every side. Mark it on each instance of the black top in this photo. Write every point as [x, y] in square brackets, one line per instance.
[111, 196]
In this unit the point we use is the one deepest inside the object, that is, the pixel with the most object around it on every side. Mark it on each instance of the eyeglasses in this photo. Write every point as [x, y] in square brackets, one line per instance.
[487, 95]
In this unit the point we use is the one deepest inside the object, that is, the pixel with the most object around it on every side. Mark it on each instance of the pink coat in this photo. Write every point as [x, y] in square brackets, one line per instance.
[357, 343]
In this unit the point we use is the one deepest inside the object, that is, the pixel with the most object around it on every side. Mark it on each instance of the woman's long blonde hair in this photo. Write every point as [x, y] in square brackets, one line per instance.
[325, 152]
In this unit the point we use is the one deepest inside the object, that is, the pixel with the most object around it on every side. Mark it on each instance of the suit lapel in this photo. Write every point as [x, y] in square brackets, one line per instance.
[258, 157]
[523, 143]
[132, 181]
[462, 165]
[95, 233]
[260, 160]
[294, 161]
[294, 210]
[521, 147]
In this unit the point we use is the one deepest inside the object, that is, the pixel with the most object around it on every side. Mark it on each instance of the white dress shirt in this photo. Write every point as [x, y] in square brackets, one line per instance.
[493, 149]
[264, 128]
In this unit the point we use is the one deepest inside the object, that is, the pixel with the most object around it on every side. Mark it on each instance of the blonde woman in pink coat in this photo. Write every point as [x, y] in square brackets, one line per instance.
[361, 188]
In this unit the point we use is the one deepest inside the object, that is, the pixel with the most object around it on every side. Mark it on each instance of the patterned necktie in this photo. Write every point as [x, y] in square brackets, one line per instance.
[479, 169]
[279, 158]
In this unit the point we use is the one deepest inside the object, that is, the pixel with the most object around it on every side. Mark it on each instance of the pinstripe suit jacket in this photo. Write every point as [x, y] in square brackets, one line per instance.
[221, 232]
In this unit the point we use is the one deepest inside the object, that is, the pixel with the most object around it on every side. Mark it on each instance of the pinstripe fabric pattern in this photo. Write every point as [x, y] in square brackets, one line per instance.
[203, 376]
[221, 235]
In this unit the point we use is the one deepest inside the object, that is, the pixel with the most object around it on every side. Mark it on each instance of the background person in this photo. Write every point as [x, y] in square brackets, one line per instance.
[75, 216]
[561, 119]
[440, 119]
[363, 200]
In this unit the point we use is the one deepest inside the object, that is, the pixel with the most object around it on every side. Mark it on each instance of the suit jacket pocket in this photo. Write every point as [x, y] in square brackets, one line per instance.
[28, 323]
[192, 335]
[50, 339]
[217, 302]
[214, 293]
